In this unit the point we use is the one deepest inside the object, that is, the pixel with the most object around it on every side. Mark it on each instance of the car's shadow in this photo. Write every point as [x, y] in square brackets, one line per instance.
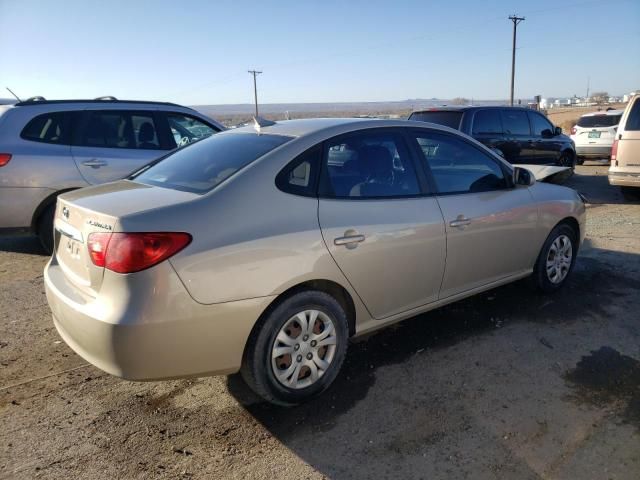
[22, 244]
[596, 188]
[593, 280]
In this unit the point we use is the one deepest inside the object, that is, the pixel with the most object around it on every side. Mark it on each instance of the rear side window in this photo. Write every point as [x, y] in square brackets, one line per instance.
[369, 164]
[633, 120]
[53, 127]
[487, 122]
[595, 121]
[448, 119]
[300, 175]
[119, 129]
[203, 165]
[515, 122]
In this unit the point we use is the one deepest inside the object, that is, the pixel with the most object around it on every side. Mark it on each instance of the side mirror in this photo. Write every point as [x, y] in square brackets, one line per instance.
[522, 176]
[558, 131]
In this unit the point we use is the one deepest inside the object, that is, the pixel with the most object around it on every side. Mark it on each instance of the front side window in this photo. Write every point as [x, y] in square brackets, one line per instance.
[368, 165]
[203, 165]
[458, 167]
[515, 122]
[186, 129]
[487, 122]
[53, 127]
[539, 124]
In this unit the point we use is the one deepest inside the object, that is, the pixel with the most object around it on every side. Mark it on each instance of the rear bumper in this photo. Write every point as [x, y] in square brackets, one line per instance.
[624, 179]
[158, 335]
[18, 204]
[595, 151]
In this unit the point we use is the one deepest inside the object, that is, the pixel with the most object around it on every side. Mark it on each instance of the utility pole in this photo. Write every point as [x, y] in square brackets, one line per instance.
[255, 89]
[588, 82]
[516, 20]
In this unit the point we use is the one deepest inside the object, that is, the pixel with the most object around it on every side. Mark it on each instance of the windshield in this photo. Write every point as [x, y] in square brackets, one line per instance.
[599, 121]
[203, 165]
[446, 118]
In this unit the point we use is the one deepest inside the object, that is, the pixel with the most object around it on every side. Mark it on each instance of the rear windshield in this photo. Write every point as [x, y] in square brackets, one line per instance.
[448, 119]
[203, 165]
[599, 121]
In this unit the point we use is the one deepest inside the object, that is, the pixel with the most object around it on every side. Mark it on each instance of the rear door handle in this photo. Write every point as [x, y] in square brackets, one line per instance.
[460, 222]
[348, 240]
[94, 163]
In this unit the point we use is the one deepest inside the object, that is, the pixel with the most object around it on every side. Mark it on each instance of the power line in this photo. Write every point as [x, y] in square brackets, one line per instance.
[516, 20]
[255, 88]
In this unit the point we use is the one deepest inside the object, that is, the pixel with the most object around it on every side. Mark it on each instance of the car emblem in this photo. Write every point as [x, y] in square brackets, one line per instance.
[65, 212]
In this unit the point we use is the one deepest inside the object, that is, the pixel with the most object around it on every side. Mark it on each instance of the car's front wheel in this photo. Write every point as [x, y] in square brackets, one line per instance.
[567, 159]
[297, 350]
[556, 259]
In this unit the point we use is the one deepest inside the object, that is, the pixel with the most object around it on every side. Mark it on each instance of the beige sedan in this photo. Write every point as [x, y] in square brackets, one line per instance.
[263, 249]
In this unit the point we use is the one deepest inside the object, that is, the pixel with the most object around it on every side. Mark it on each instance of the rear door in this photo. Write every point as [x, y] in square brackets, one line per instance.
[517, 132]
[384, 231]
[628, 154]
[489, 223]
[487, 129]
[110, 144]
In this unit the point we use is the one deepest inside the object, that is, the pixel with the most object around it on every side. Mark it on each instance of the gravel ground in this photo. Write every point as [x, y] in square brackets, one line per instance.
[508, 384]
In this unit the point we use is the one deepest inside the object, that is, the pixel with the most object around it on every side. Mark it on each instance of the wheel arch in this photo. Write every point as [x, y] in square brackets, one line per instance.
[337, 291]
[44, 204]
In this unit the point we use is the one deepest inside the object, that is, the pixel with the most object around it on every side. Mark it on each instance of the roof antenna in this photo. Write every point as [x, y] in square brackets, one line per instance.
[259, 122]
[11, 92]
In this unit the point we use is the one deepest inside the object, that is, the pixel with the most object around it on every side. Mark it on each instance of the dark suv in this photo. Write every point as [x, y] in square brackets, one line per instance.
[520, 135]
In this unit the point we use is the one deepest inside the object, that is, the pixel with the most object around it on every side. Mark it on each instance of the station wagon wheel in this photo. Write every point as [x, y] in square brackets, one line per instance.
[296, 351]
[556, 259]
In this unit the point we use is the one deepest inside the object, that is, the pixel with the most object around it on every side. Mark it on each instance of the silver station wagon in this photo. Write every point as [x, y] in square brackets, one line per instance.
[263, 249]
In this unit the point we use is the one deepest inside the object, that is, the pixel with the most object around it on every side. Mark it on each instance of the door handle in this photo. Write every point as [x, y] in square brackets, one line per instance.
[348, 240]
[461, 221]
[94, 163]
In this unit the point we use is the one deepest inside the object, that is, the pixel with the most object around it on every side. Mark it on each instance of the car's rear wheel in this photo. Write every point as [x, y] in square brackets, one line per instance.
[556, 259]
[45, 228]
[297, 350]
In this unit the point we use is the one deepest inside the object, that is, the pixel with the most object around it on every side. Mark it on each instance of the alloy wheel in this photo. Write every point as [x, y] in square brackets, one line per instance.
[559, 259]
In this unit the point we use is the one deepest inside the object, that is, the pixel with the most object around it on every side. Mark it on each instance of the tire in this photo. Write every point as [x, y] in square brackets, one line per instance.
[544, 277]
[567, 159]
[580, 161]
[631, 194]
[45, 228]
[268, 377]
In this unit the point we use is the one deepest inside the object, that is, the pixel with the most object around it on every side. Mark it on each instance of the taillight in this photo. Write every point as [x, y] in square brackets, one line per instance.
[132, 252]
[4, 159]
[573, 130]
[614, 152]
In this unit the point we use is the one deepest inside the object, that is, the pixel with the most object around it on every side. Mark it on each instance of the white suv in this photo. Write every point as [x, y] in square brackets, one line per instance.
[50, 147]
[594, 134]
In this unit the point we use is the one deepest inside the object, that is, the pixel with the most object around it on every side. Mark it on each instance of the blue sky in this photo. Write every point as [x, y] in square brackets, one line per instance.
[198, 52]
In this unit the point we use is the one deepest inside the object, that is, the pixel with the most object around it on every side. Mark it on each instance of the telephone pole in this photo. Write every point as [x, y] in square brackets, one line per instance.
[255, 89]
[516, 20]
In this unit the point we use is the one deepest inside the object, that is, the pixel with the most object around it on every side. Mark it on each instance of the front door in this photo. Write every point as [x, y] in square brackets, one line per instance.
[111, 144]
[490, 224]
[518, 133]
[382, 229]
[547, 144]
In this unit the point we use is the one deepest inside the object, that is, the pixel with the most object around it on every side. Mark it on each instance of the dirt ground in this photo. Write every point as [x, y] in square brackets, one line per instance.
[567, 117]
[508, 384]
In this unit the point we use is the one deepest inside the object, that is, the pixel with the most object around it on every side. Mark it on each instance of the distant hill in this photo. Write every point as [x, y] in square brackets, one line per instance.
[363, 107]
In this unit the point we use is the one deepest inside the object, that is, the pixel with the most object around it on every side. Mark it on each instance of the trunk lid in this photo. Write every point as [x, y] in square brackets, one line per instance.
[99, 209]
